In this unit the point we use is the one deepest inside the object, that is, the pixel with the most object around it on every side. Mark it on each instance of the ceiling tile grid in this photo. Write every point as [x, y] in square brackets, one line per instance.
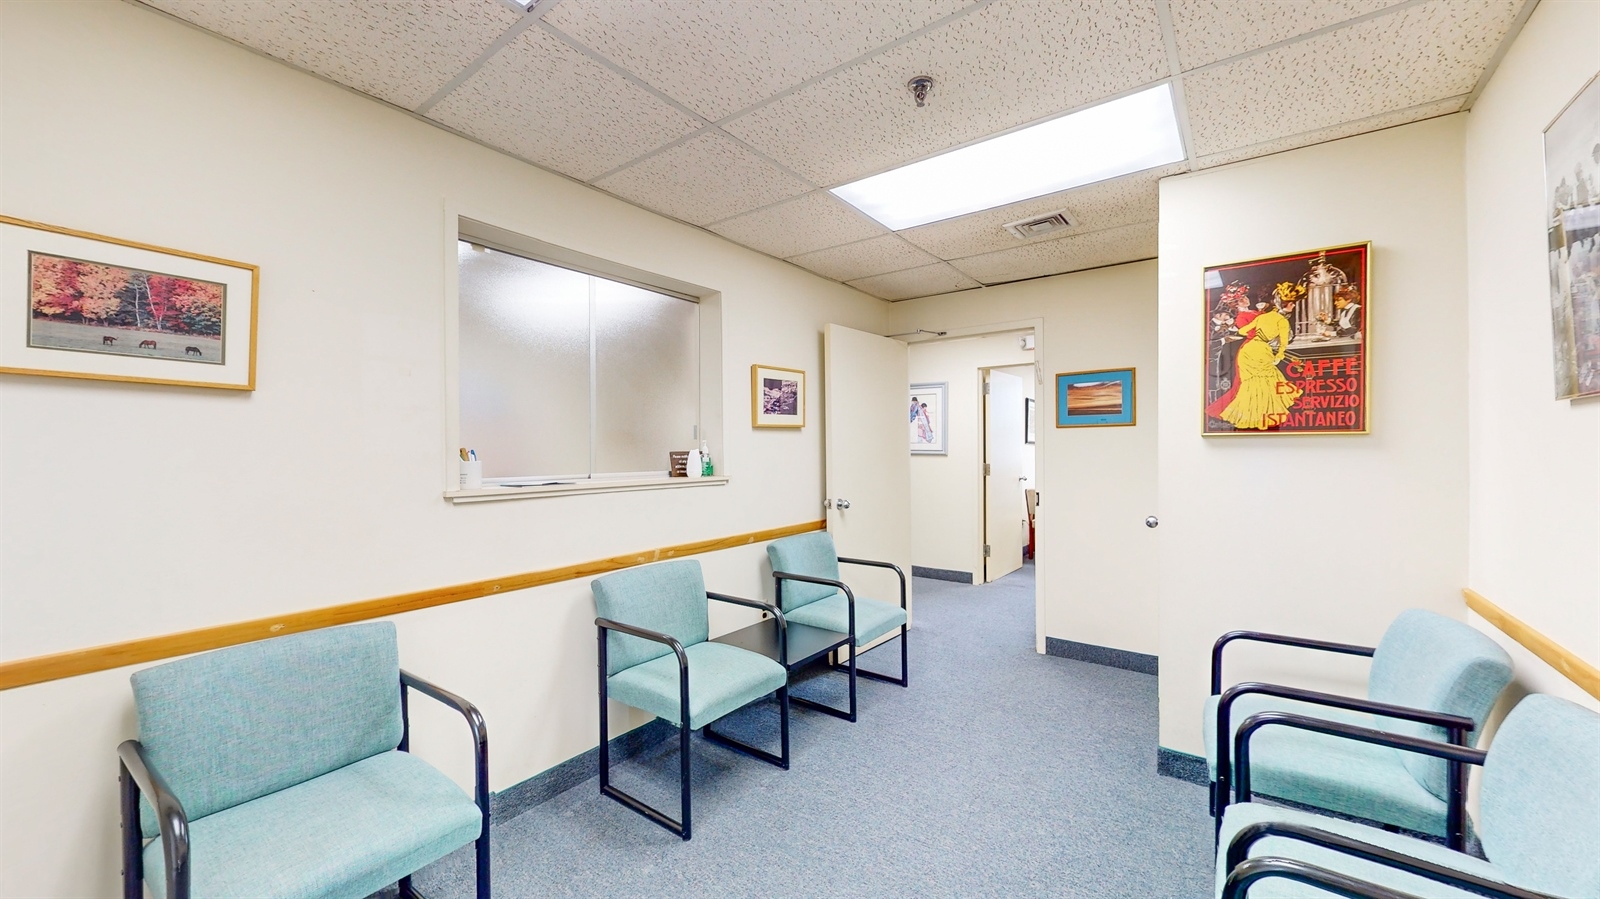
[815, 221]
[927, 280]
[1051, 257]
[1107, 204]
[873, 256]
[1412, 56]
[1211, 30]
[401, 51]
[994, 69]
[674, 181]
[552, 105]
[718, 58]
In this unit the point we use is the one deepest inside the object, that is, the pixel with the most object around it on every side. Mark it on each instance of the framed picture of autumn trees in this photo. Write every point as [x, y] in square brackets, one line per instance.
[81, 305]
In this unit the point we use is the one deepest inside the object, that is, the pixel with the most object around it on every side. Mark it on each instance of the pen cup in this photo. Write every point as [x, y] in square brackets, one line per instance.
[472, 475]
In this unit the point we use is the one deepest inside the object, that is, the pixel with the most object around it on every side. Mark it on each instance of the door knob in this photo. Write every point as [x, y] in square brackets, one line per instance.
[1152, 521]
[841, 504]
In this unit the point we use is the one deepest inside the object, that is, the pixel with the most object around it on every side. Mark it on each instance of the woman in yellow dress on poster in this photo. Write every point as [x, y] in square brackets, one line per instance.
[1261, 398]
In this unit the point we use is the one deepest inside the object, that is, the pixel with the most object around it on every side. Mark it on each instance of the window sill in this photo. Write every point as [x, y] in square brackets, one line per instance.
[494, 494]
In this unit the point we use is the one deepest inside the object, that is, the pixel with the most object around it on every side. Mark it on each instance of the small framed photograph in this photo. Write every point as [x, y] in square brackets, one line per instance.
[930, 420]
[81, 305]
[777, 397]
[1095, 399]
[1028, 416]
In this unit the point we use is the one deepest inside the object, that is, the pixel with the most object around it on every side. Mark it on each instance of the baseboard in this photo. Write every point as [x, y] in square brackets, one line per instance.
[1182, 766]
[942, 574]
[515, 800]
[1102, 655]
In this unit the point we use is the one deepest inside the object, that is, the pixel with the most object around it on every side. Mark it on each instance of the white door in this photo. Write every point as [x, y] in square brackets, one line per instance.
[1005, 510]
[867, 470]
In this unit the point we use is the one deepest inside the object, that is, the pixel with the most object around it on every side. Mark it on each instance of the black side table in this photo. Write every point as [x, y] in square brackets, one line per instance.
[806, 643]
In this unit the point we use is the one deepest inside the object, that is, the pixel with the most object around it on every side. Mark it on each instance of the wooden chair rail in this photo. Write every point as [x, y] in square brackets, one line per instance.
[40, 669]
[1560, 658]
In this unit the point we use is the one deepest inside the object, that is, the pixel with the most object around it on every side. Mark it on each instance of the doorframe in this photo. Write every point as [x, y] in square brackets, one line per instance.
[1043, 438]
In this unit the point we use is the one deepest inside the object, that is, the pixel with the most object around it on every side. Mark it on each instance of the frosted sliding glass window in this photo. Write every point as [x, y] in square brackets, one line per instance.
[566, 375]
[647, 362]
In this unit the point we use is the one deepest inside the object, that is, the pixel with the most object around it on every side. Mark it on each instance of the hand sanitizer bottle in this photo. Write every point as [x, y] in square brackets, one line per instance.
[705, 459]
[692, 467]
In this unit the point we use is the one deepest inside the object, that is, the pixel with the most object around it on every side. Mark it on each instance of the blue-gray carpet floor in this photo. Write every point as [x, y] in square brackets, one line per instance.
[998, 772]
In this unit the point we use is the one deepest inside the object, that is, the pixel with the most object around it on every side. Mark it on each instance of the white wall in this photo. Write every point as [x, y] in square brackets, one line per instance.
[947, 491]
[1096, 569]
[1329, 536]
[132, 510]
[1534, 533]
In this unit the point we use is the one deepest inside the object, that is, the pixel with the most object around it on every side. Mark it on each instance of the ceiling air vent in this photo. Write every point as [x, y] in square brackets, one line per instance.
[1036, 227]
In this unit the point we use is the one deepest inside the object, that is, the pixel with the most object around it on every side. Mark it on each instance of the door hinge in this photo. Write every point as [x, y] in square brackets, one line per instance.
[986, 386]
[986, 550]
[987, 469]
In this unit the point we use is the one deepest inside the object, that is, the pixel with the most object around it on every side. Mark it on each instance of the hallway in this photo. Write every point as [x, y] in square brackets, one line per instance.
[999, 772]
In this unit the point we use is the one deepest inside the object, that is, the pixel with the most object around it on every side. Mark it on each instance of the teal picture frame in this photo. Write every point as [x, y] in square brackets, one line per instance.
[1097, 399]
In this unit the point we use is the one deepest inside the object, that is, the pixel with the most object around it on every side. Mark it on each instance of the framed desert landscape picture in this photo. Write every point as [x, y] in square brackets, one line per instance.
[1572, 201]
[1095, 399]
[80, 305]
[1287, 341]
[777, 397]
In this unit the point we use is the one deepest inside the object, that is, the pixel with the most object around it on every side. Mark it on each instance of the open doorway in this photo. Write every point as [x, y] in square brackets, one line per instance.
[1008, 475]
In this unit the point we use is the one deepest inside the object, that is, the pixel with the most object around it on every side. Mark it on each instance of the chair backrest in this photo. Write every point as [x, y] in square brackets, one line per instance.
[1540, 805]
[233, 725]
[669, 597]
[812, 554]
[1428, 661]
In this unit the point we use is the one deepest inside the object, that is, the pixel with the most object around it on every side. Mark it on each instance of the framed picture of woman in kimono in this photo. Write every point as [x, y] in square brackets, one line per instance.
[1287, 343]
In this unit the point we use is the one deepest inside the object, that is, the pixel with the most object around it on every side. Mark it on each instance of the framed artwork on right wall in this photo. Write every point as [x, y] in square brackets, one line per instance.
[1572, 199]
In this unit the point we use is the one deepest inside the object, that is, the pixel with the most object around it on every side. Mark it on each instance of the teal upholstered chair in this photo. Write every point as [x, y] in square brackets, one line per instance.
[280, 768]
[1540, 821]
[1431, 677]
[655, 655]
[805, 569]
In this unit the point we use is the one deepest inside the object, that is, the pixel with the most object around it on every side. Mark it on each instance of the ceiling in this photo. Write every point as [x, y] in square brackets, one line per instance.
[737, 115]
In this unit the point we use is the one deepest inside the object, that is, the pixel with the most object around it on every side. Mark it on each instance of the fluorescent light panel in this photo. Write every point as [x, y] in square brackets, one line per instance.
[1129, 134]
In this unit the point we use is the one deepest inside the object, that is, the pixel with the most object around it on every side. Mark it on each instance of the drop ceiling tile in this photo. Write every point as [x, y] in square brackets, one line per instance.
[1007, 64]
[1209, 30]
[551, 104]
[873, 256]
[813, 222]
[916, 282]
[1335, 132]
[704, 179]
[1095, 207]
[400, 51]
[1069, 254]
[1416, 55]
[759, 47]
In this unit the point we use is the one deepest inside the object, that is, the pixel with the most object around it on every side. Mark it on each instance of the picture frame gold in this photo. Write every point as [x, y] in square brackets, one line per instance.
[777, 397]
[1324, 377]
[76, 304]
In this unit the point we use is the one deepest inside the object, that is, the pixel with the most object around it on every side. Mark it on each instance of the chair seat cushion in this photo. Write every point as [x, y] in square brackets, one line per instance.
[348, 833]
[721, 678]
[874, 618]
[1240, 816]
[1341, 775]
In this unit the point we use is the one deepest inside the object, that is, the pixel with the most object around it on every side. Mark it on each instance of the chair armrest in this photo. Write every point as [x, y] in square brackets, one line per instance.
[172, 820]
[1239, 850]
[1457, 725]
[1281, 640]
[769, 608]
[889, 565]
[606, 624]
[850, 597]
[1239, 882]
[475, 723]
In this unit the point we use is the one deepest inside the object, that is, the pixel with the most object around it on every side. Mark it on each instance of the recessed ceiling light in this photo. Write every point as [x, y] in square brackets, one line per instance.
[1129, 134]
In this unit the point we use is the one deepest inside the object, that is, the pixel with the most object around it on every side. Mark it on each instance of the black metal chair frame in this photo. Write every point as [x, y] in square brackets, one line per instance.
[1456, 726]
[683, 827]
[138, 775]
[1239, 848]
[1239, 882]
[851, 667]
